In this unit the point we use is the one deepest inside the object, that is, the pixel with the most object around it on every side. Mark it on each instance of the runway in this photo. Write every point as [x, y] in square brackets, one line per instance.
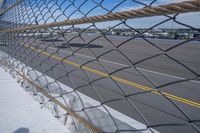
[127, 70]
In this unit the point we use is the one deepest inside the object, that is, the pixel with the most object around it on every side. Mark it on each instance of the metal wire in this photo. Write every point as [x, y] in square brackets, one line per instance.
[86, 60]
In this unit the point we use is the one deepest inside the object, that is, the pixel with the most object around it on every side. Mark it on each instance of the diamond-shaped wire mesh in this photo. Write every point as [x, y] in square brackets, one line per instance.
[128, 75]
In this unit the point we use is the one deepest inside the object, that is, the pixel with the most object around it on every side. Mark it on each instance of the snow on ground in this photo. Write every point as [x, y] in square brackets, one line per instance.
[20, 113]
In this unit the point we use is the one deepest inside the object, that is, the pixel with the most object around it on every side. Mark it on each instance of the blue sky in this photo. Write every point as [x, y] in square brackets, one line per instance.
[46, 12]
[189, 18]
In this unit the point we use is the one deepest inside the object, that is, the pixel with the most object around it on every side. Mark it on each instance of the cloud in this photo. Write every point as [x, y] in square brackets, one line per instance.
[44, 14]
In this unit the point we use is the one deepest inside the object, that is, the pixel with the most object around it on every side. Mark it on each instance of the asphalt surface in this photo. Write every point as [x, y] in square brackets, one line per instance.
[160, 70]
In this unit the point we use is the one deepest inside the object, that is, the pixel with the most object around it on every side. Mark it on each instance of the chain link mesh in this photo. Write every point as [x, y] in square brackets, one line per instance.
[108, 73]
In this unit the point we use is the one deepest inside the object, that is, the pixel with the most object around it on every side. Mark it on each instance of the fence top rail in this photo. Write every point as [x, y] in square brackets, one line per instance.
[183, 7]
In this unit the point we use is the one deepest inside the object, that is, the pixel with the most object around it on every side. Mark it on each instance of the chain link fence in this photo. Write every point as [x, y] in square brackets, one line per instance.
[107, 66]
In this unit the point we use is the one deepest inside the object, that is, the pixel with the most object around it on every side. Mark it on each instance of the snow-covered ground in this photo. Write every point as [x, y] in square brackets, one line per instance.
[20, 113]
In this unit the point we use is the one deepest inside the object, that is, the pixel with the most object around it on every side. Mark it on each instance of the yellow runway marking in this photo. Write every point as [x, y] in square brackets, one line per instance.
[168, 95]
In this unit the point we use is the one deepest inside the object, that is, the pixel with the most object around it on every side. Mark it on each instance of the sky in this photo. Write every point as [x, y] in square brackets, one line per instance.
[47, 11]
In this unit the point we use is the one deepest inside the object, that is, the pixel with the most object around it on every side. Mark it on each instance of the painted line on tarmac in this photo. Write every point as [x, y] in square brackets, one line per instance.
[194, 81]
[168, 95]
[124, 65]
